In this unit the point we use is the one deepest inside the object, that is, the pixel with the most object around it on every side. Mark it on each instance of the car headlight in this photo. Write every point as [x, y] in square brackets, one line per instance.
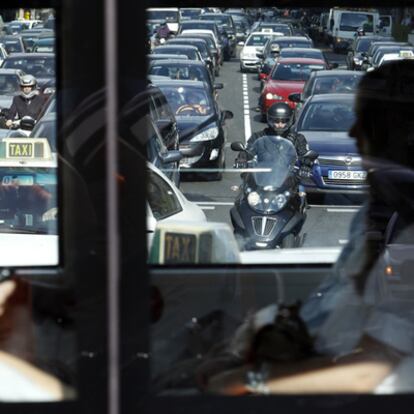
[357, 61]
[207, 134]
[270, 96]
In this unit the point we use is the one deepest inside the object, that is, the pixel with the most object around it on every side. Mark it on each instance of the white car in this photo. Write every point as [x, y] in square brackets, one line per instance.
[254, 44]
[167, 203]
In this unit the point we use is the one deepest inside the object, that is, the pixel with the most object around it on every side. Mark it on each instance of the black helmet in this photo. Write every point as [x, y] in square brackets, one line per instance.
[280, 112]
[360, 31]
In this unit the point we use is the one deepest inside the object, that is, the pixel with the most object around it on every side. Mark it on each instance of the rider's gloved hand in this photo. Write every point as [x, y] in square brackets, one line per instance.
[240, 161]
[9, 123]
[305, 171]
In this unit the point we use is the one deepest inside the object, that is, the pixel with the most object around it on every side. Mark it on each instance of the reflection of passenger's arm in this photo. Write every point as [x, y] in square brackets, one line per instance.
[359, 372]
[28, 383]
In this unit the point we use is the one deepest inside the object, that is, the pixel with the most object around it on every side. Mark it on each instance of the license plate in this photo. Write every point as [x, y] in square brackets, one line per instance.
[17, 180]
[347, 175]
[20, 150]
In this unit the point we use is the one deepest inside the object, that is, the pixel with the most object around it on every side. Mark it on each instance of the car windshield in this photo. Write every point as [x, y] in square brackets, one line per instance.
[38, 67]
[190, 14]
[188, 101]
[12, 46]
[220, 20]
[336, 84]
[190, 53]
[168, 15]
[28, 200]
[197, 25]
[274, 160]
[363, 45]
[327, 116]
[186, 72]
[257, 40]
[46, 129]
[350, 22]
[293, 43]
[9, 84]
[311, 54]
[294, 71]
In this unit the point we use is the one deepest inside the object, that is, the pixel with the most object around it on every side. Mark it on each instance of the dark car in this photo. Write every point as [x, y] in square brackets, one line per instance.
[154, 127]
[202, 47]
[214, 50]
[200, 125]
[190, 51]
[155, 56]
[184, 70]
[30, 36]
[325, 121]
[373, 48]
[39, 65]
[358, 50]
[13, 44]
[224, 21]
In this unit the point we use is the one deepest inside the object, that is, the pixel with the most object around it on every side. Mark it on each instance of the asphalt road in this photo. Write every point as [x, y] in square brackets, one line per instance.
[328, 217]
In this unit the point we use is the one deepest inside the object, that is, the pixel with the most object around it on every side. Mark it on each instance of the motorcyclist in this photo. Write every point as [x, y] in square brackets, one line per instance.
[280, 117]
[28, 102]
[163, 31]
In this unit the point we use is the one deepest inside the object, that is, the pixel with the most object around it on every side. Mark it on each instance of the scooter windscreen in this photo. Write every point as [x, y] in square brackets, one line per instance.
[274, 161]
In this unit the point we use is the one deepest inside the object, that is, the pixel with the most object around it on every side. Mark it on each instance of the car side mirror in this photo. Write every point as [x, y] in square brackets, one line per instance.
[164, 125]
[27, 123]
[295, 97]
[226, 115]
[333, 65]
[218, 86]
[260, 55]
[171, 156]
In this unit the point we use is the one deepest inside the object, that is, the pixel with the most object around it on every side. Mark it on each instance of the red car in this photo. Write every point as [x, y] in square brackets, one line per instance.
[287, 76]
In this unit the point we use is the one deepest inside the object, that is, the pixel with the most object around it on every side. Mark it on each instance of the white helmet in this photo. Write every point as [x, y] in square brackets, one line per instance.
[28, 80]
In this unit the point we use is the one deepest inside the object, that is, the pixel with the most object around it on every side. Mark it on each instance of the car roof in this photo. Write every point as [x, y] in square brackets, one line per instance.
[166, 56]
[166, 46]
[329, 97]
[294, 38]
[178, 62]
[11, 71]
[30, 55]
[301, 49]
[198, 21]
[338, 72]
[181, 82]
[300, 60]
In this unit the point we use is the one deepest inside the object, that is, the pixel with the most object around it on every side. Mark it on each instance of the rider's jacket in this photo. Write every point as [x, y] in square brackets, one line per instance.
[26, 107]
[298, 140]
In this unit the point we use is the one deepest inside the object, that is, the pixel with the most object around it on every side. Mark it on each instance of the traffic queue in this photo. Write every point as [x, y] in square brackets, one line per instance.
[28, 155]
[287, 50]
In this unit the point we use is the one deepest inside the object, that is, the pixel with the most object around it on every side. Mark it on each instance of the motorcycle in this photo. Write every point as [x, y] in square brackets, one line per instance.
[269, 212]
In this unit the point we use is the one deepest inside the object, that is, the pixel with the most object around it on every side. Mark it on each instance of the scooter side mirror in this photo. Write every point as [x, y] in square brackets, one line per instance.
[237, 146]
[312, 155]
[295, 97]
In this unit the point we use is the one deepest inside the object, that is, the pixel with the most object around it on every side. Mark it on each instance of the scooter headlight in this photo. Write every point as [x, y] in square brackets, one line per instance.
[254, 199]
[279, 201]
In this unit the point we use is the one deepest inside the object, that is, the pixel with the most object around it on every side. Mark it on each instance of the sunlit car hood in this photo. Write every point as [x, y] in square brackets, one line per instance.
[330, 142]
[191, 126]
[284, 87]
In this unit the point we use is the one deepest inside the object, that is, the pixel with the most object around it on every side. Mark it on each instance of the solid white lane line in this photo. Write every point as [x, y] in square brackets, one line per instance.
[331, 206]
[342, 241]
[247, 124]
[207, 207]
[213, 203]
[341, 210]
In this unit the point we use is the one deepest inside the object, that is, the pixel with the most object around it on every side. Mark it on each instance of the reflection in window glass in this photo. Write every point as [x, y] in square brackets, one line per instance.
[37, 346]
[245, 332]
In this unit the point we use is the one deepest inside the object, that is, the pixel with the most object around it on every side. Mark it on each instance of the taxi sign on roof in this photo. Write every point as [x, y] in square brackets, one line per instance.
[407, 54]
[24, 149]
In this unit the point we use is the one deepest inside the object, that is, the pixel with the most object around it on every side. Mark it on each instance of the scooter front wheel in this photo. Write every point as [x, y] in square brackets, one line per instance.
[290, 241]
